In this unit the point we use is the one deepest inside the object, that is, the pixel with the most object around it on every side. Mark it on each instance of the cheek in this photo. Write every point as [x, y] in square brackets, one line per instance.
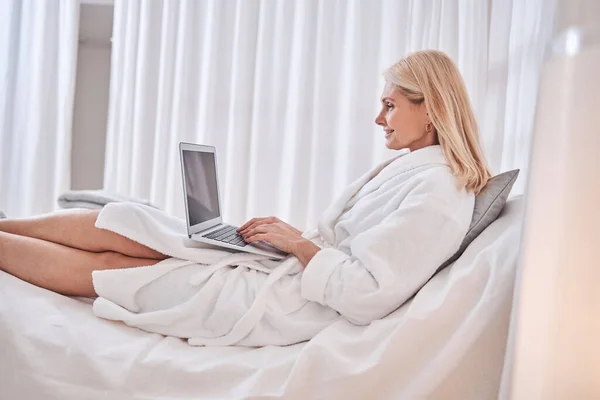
[394, 120]
[404, 123]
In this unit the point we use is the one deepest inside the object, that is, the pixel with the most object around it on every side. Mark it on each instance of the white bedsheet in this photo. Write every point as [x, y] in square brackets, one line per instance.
[447, 343]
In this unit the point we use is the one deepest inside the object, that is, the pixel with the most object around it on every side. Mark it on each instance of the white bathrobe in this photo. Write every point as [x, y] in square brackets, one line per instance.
[381, 240]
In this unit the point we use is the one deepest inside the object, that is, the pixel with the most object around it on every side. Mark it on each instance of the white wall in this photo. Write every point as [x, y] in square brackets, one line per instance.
[91, 96]
[542, 362]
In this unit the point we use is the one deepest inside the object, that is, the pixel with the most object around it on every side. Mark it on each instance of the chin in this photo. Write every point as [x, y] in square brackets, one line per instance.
[392, 145]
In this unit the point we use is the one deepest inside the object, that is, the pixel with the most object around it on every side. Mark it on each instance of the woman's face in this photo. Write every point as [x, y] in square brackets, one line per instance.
[405, 124]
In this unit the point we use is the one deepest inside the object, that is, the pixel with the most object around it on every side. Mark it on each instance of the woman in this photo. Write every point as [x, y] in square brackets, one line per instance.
[374, 247]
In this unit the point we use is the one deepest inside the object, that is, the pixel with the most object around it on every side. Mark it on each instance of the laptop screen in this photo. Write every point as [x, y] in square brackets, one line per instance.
[201, 186]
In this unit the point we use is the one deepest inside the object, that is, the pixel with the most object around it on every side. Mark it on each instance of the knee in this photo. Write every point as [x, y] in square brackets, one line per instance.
[92, 215]
[112, 260]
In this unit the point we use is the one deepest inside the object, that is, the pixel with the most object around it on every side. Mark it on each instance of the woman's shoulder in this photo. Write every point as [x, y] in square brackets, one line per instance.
[437, 189]
[434, 175]
[439, 181]
[431, 184]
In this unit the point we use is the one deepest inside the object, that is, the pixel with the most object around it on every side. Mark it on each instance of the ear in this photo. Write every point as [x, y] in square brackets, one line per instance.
[427, 118]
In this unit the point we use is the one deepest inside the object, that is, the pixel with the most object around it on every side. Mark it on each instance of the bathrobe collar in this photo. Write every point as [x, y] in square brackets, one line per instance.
[405, 161]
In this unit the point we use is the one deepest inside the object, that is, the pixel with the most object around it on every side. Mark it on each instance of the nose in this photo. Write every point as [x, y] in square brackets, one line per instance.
[380, 120]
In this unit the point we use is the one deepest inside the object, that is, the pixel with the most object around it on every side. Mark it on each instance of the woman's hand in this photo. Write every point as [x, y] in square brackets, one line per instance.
[276, 232]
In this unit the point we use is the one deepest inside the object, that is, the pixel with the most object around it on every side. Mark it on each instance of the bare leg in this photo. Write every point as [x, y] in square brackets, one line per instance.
[56, 267]
[75, 228]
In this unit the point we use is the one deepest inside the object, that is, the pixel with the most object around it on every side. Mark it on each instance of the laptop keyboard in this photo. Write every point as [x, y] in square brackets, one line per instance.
[227, 234]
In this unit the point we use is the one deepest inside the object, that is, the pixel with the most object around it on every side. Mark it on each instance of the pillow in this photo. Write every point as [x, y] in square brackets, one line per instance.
[488, 204]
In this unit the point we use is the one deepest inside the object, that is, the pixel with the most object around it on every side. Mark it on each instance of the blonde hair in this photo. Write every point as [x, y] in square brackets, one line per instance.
[431, 76]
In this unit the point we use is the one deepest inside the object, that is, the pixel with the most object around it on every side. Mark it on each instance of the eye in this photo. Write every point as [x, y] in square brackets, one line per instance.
[389, 106]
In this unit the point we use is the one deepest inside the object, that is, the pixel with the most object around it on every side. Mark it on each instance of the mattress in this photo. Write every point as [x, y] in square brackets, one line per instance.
[448, 342]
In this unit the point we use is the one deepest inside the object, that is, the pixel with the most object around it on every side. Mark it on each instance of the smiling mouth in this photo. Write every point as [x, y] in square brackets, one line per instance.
[388, 133]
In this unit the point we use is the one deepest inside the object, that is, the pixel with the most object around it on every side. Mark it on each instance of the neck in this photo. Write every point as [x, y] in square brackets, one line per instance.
[431, 139]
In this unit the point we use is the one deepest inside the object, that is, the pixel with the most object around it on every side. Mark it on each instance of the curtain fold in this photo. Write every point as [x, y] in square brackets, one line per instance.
[38, 58]
[288, 91]
[519, 34]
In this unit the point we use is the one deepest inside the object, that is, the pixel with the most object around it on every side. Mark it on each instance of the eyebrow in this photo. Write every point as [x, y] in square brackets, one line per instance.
[387, 98]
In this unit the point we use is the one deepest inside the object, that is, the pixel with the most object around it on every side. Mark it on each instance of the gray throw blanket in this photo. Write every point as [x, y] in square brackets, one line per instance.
[94, 199]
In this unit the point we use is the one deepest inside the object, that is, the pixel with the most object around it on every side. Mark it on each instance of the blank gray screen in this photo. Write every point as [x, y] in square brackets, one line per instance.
[201, 186]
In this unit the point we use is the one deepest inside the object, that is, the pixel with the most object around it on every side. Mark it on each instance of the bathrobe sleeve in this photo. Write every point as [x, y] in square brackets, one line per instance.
[392, 260]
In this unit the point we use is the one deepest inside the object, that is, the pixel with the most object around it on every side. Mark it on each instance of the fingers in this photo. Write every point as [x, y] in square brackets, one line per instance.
[276, 234]
[258, 237]
[246, 230]
[246, 225]
[253, 231]
[254, 222]
[250, 224]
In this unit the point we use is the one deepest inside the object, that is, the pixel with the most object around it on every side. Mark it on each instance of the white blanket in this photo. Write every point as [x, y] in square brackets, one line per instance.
[447, 343]
[381, 240]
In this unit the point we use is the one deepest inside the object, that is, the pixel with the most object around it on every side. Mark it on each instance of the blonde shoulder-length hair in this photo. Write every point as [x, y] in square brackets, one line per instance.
[431, 76]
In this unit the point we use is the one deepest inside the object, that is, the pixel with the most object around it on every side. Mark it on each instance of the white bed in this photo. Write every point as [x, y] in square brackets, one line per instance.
[448, 342]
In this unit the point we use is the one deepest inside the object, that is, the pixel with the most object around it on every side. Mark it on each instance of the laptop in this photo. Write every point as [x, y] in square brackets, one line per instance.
[203, 204]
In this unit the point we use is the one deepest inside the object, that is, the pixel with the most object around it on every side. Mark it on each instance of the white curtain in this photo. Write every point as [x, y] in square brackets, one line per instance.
[288, 91]
[38, 58]
[519, 34]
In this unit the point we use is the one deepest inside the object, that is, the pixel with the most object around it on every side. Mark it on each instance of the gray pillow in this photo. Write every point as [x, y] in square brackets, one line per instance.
[488, 204]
